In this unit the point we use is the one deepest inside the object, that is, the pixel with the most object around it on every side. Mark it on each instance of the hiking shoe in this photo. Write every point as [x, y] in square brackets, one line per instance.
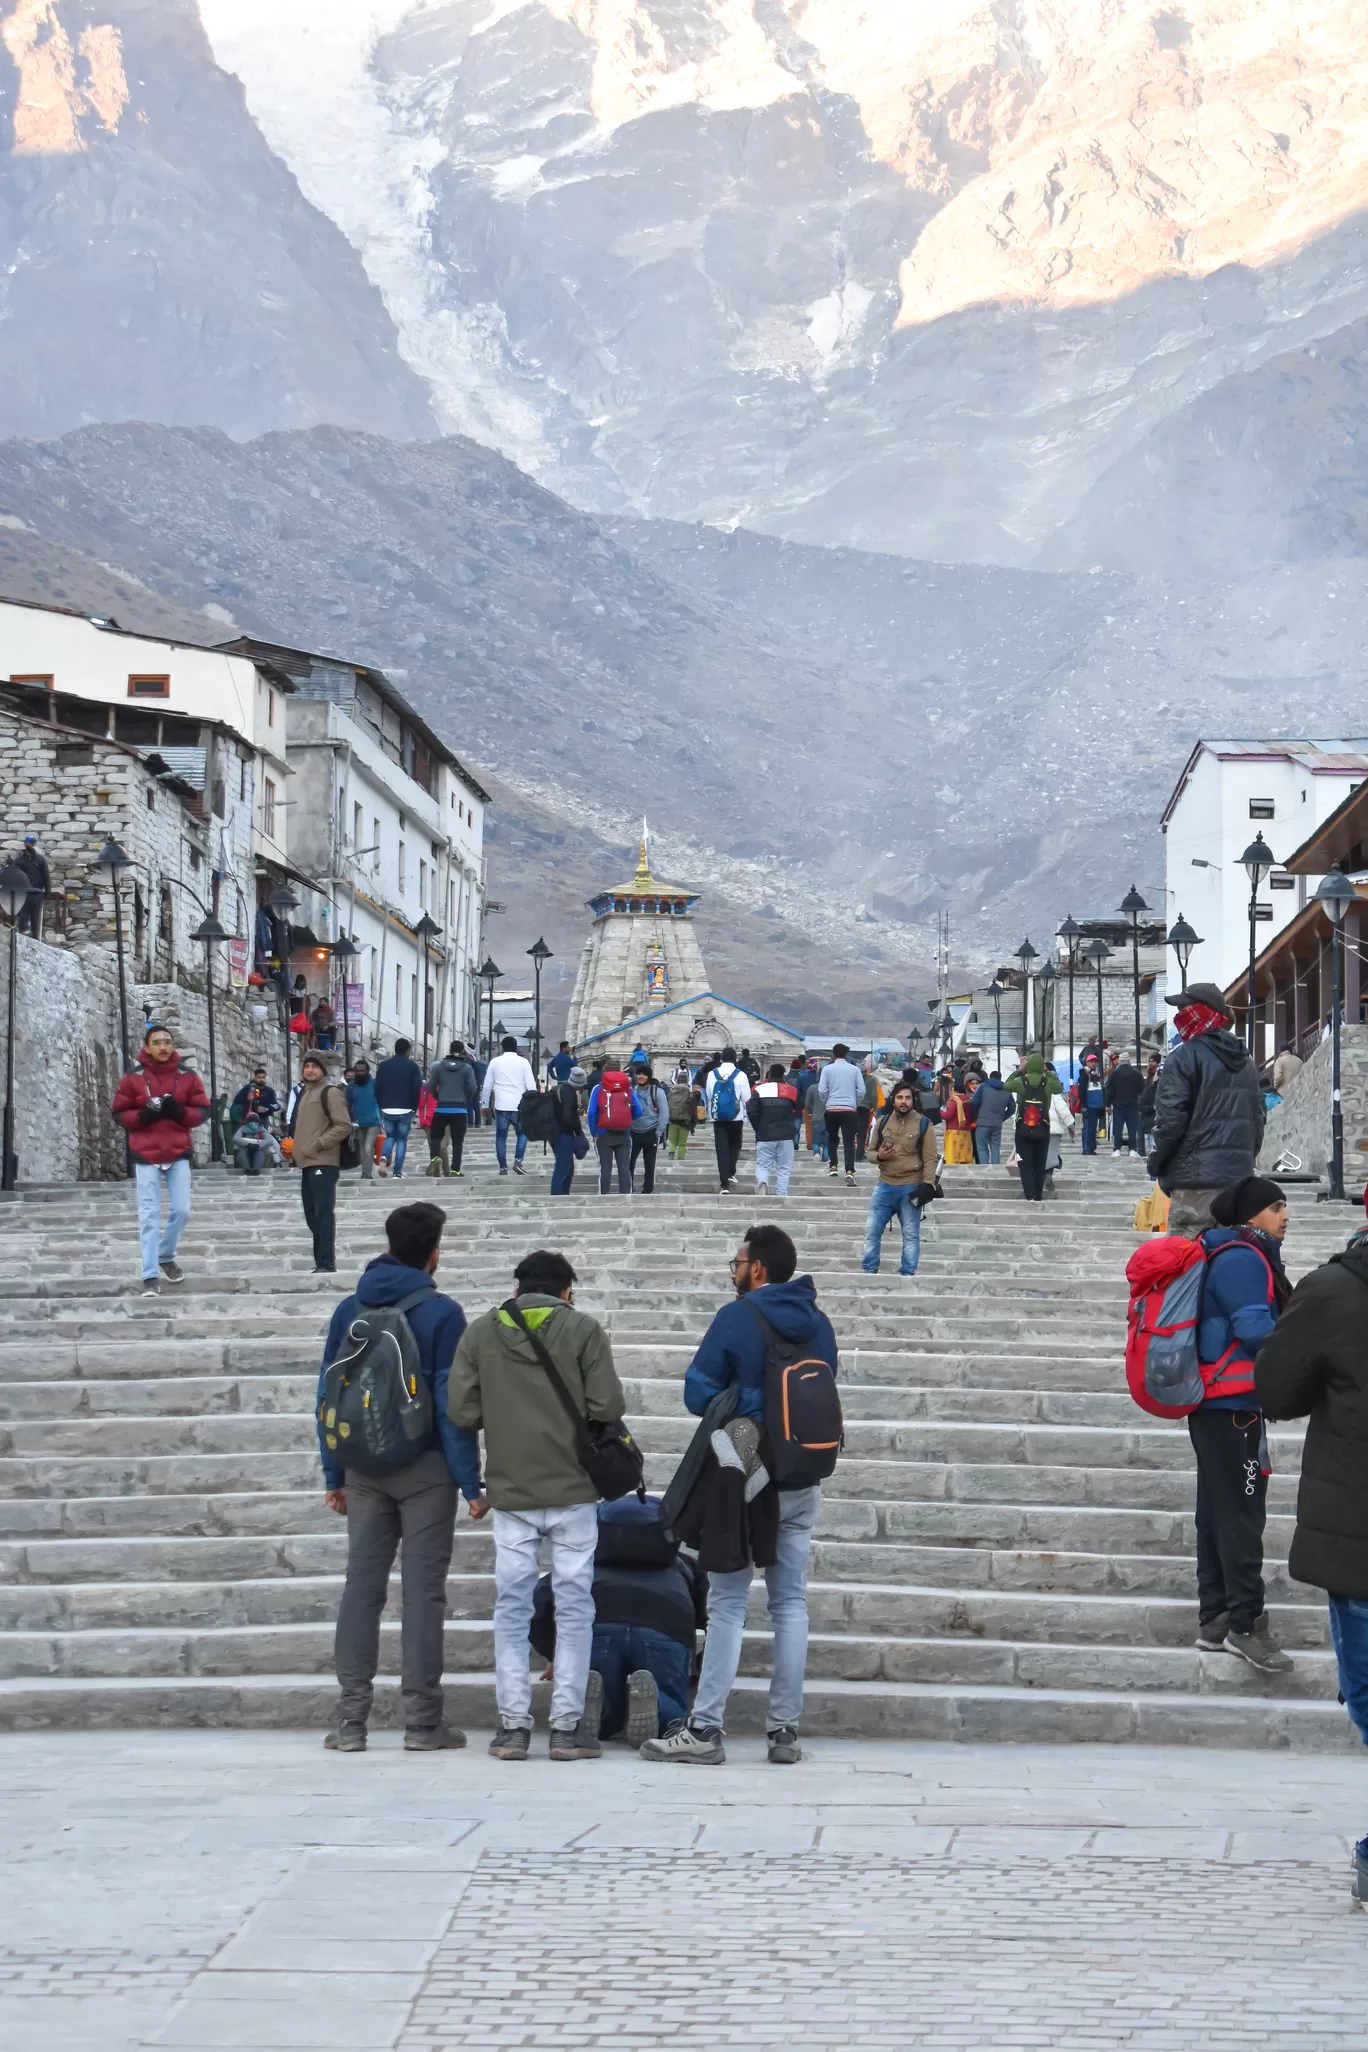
[382, 1168]
[784, 1748]
[1211, 1638]
[574, 1743]
[691, 1748]
[173, 1271]
[434, 1167]
[591, 1716]
[511, 1742]
[518, 1169]
[1259, 1648]
[503, 1171]
[346, 1738]
[850, 1177]
[438, 1738]
[643, 1707]
[151, 1286]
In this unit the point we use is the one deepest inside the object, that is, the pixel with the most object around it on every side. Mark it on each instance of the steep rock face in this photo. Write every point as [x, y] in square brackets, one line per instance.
[156, 260]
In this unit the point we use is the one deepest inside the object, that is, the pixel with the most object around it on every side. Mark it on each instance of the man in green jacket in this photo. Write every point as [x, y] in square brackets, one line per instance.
[538, 1489]
[1033, 1086]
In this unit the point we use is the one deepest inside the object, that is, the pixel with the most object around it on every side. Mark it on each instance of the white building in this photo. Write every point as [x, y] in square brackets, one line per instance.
[1230, 792]
[386, 828]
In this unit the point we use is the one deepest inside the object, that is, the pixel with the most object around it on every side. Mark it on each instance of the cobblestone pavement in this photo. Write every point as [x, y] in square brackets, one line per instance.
[247, 1893]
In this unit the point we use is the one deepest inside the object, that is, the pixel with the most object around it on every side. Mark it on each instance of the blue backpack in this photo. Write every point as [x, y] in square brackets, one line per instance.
[725, 1105]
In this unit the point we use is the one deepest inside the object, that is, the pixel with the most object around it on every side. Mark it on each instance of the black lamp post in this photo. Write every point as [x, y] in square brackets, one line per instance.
[211, 930]
[540, 953]
[1097, 952]
[344, 952]
[1258, 859]
[281, 903]
[1133, 905]
[914, 1041]
[1025, 955]
[487, 972]
[1335, 893]
[996, 991]
[113, 861]
[427, 930]
[1183, 938]
[15, 885]
[1047, 980]
[1071, 933]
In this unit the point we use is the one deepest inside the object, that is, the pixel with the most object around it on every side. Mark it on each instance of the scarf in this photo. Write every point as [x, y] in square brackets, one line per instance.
[1271, 1249]
[1194, 1020]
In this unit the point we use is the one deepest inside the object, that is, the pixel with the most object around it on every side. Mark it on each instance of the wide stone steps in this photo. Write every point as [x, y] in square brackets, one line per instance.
[1005, 1549]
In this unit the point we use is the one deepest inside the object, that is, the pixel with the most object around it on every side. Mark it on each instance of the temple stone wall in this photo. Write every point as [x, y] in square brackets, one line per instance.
[1300, 1125]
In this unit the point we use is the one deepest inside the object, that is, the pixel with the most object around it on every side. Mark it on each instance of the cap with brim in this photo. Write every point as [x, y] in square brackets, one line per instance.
[1201, 994]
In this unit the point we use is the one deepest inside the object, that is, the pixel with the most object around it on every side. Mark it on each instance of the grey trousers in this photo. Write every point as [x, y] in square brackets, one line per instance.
[1190, 1212]
[415, 1505]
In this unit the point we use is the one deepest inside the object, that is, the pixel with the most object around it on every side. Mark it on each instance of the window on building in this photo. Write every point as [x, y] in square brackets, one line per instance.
[39, 683]
[1262, 808]
[194, 855]
[220, 799]
[1281, 883]
[242, 780]
[268, 808]
[1263, 911]
[451, 906]
[149, 687]
[358, 827]
[375, 843]
[413, 999]
[402, 869]
[151, 799]
[375, 977]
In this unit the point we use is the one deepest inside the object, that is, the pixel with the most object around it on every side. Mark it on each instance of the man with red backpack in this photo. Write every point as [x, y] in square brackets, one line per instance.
[613, 1104]
[159, 1104]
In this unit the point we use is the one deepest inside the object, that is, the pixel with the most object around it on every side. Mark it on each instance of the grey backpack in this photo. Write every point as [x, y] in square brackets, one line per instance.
[375, 1410]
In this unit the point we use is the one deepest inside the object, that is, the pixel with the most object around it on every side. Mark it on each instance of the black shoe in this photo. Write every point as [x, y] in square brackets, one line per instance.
[325, 1268]
[784, 1748]
[173, 1271]
[438, 1738]
[346, 1738]
[518, 1169]
[511, 1742]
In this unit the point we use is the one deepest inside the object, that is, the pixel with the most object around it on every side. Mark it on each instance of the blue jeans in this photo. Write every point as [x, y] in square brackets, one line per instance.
[1126, 1127]
[563, 1175]
[774, 1156]
[396, 1139]
[988, 1142]
[159, 1246]
[502, 1121]
[786, 1592]
[1349, 1631]
[618, 1650]
[1090, 1124]
[885, 1200]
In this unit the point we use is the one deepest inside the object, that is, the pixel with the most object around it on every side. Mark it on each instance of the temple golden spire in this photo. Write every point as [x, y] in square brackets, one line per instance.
[643, 880]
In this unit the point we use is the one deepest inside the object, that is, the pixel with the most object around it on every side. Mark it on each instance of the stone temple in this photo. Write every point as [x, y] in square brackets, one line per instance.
[641, 983]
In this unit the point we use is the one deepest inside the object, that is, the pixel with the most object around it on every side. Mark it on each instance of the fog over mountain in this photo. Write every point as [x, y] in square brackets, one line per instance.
[872, 438]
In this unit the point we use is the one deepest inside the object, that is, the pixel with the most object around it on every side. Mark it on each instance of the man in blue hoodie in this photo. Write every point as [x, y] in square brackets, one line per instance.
[734, 1350]
[415, 1505]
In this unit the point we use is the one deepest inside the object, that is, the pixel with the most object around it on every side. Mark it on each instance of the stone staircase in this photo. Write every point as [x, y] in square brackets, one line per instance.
[1005, 1551]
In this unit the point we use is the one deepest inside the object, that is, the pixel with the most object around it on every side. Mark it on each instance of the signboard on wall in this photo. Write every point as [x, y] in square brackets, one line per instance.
[239, 962]
[350, 1004]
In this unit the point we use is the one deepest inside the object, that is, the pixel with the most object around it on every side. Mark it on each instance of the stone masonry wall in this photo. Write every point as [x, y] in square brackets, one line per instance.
[1301, 1123]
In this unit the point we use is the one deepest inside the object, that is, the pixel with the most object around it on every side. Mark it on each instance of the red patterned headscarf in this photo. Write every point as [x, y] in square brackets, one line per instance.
[1194, 1020]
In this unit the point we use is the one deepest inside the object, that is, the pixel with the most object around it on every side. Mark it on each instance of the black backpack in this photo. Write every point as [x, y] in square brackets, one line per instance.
[802, 1412]
[537, 1115]
[1033, 1112]
[376, 1406]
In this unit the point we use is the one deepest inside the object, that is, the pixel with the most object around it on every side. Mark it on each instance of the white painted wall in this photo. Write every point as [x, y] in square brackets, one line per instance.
[93, 662]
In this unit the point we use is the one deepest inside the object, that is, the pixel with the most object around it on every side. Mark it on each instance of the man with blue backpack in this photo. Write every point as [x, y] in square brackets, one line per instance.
[728, 1093]
[392, 1466]
[1092, 1101]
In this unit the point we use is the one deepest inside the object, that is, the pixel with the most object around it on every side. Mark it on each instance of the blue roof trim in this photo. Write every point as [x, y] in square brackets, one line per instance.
[680, 1004]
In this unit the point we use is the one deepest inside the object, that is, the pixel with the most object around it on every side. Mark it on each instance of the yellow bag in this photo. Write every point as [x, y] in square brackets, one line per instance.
[1151, 1213]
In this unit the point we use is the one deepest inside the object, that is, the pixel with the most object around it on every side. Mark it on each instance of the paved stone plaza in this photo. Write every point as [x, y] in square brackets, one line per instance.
[247, 1892]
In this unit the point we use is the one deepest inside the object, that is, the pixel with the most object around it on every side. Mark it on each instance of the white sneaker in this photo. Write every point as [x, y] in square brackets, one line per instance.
[688, 1747]
[1116, 1154]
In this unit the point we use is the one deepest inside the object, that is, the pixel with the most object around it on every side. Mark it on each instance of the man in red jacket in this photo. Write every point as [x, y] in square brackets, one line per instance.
[160, 1104]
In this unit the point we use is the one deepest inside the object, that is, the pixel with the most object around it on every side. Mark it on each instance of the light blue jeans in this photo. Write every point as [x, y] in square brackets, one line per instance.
[573, 1532]
[774, 1157]
[886, 1199]
[396, 1126]
[159, 1246]
[988, 1140]
[786, 1593]
[1349, 1631]
[502, 1121]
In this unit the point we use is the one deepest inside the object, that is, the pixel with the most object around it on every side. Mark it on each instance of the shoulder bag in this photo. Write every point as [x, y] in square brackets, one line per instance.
[608, 1454]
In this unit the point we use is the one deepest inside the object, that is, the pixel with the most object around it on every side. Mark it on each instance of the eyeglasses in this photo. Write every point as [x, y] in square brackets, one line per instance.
[740, 1261]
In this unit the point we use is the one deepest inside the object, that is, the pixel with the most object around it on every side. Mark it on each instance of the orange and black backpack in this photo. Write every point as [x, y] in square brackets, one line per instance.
[803, 1416]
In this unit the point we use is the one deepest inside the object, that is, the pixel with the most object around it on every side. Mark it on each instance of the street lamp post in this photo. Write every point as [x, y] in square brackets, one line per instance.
[114, 862]
[211, 930]
[1025, 955]
[540, 953]
[1258, 859]
[1183, 938]
[1071, 933]
[427, 930]
[1133, 905]
[344, 952]
[1097, 952]
[914, 1041]
[280, 904]
[1047, 980]
[1335, 893]
[15, 886]
[487, 972]
[996, 990]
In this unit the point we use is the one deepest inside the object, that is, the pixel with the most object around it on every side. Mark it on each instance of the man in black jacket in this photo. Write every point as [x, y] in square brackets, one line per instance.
[1315, 1362]
[398, 1087]
[1208, 1111]
[1121, 1094]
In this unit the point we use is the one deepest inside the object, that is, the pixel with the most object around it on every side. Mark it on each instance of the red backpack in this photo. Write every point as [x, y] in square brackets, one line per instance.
[614, 1102]
[1167, 1277]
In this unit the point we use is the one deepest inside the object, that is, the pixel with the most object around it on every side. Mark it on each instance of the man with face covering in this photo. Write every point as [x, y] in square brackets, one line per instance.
[1208, 1111]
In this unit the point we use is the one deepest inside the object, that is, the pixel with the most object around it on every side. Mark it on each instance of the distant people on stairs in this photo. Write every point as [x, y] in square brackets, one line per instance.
[904, 1146]
[841, 1091]
[728, 1092]
[988, 1108]
[648, 1126]
[249, 1145]
[1208, 1110]
[814, 1115]
[1287, 1064]
[159, 1104]
[562, 1062]
[34, 865]
[771, 1306]
[1033, 1087]
[1092, 1100]
[1244, 1290]
[405, 1504]
[321, 1124]
[256, 1095]
[613, 1109]
[773, 1112]
[538, 1487]
[507, 1078]
[682, 1107]
[363, 1108]
[569, 1145]
[452, 1082]
[398, 1088]
[1121, 1093]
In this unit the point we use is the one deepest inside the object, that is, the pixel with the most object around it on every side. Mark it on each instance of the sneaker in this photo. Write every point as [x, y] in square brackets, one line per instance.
[784, 1748]
[833, 1171]
[454, 1172]
[325, 1268]
[1259, 1648]
[591, 1716]
[346, 1738]
[151, 1286]
[173, 1271]
[690, 1746]
[518, 1169]
[503, 1171]
[1358, 1887]
[643, 1707]
[398, 1175]
[850, 1177]
[511, 1742]
[762, 1189]
[438, 1738]
[434, 1167]
[382, 1168]
[574, 1743]
[1116, 1154]
[1211, 1638]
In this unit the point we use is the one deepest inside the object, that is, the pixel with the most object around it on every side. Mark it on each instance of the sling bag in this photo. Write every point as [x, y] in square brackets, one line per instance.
[608, 1454]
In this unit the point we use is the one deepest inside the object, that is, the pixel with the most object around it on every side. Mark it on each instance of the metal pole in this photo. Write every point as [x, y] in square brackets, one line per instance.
[997, 1007]
[1135, 978]
[1072, 1042]
[536, 1052]
[1336, 1107]
[123, 988]
[9, 1165]
[215, 1130]
[1253, 908]
[1099, 1010]
[425, 1006]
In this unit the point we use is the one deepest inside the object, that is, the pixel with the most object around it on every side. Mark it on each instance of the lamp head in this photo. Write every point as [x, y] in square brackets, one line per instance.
[1335, 893]
[1258, 859]
[15, 885]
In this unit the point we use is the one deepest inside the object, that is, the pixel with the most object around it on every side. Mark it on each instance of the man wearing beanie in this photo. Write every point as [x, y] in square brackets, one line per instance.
[1244, 1290]
[1316, 1365]
[1208, 1110]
